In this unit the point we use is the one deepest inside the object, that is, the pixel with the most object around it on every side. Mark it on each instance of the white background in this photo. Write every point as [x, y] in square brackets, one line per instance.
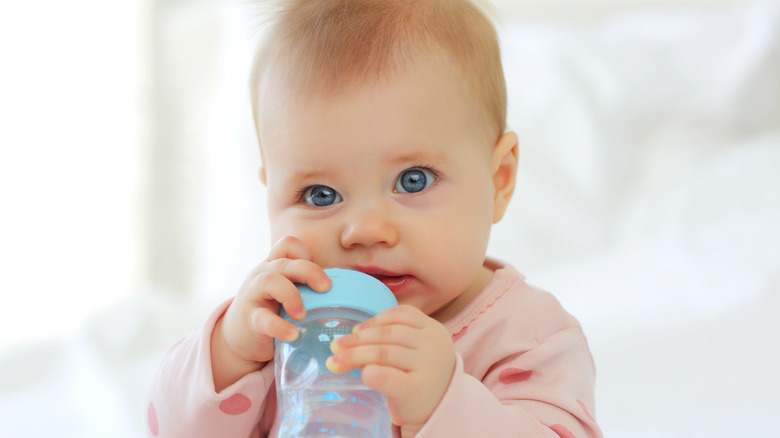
[647, 200]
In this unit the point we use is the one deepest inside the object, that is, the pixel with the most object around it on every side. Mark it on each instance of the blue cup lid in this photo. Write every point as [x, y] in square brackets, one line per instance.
[352, 289]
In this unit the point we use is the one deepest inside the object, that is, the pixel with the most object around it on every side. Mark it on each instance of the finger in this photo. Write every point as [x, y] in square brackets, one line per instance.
[265, 322]
[395, 334]
[290, 256]
[389, 381]
[301, 271]
[268, 289]
[401, 315]
[289, 247]
[398, 386]
[276, 282]
[394, 356]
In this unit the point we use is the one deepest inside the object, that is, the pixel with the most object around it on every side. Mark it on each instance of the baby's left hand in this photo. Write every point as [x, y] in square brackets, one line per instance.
[404, 354]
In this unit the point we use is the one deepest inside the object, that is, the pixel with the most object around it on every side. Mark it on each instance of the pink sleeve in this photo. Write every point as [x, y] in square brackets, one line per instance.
[544, 392]
[183, 403]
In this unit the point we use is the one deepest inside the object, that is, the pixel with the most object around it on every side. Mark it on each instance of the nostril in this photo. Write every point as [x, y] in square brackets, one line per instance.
[368, 231]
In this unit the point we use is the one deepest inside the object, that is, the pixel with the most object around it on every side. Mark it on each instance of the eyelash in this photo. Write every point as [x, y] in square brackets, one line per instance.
[300, 194]
[430, 169]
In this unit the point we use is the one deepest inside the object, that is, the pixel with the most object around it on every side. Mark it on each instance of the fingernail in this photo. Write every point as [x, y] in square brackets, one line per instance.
[332, 366]
[292, 335]
[356, 328]
[298, 314]
[335, 348]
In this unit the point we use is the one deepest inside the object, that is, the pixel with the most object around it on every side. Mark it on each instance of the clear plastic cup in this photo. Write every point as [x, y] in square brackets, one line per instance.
[312, 401]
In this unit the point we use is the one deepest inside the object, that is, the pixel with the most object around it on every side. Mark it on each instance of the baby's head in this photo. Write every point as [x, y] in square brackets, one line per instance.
[327, 46]
[381, 124]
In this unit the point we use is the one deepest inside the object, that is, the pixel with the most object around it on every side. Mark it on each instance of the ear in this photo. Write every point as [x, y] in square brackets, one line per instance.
[504, 169]
[261, 174]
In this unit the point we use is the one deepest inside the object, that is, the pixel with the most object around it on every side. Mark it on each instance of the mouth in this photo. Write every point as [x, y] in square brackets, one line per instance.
[394, 281]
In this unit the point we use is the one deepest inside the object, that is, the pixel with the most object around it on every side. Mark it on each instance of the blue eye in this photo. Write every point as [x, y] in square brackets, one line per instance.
[414, 180]
[321, 196]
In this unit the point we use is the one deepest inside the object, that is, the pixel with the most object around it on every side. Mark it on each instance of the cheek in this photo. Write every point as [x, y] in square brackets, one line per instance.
[282, 224]
[318, 236]
[462, 226]
[278, 231]
[473, 209]
[475, 220]
[279, 225]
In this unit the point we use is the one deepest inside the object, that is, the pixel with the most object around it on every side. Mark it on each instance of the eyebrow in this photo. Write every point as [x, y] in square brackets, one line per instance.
[307, 175]
[416, 156]
[412, 155]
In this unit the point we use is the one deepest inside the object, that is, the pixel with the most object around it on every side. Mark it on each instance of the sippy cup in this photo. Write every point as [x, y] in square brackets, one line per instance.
[312, 401]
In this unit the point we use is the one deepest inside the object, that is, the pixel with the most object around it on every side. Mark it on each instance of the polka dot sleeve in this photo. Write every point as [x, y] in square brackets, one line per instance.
[523, 368]
[471, 408]
[183, 402]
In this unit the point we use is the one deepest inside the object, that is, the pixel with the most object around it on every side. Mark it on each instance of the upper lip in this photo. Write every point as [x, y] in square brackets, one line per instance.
[377, 272]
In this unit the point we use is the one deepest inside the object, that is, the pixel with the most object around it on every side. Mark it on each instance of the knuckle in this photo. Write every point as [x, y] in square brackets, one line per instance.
[273, 325]
[286, 241]
[354, 339]
[386, 332]
[383, 354]
[305, 267]
[279, 265]
[258, 322]
[264, 280]
[313, 268]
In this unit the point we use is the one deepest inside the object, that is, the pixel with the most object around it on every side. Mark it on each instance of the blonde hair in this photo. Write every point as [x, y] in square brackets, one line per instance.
[329, 45]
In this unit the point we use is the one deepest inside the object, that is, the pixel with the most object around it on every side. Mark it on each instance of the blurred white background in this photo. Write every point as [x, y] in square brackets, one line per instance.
[648, 199]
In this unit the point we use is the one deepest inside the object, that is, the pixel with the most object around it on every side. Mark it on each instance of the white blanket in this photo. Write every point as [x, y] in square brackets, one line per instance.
[649, 202]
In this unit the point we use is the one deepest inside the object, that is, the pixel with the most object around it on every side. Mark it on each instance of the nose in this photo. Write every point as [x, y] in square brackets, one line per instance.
[368, 227]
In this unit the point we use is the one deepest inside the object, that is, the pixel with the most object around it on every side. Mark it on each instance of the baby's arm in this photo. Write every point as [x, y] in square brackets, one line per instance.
[184, 403]
[209, 384]
[543, 392]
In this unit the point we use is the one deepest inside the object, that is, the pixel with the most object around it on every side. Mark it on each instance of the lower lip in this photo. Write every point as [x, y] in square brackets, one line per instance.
[396, 284]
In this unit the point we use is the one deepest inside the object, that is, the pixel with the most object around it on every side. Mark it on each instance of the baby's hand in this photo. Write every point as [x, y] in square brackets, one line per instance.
[404, 354]
[243, 338]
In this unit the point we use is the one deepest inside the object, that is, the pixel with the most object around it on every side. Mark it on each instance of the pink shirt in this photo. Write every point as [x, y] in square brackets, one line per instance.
[523, 370]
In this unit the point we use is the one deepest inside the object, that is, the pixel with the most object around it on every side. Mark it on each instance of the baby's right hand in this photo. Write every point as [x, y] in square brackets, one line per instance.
[243, 338]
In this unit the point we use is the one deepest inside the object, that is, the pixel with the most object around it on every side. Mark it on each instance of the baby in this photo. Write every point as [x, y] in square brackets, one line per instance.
[382, 131]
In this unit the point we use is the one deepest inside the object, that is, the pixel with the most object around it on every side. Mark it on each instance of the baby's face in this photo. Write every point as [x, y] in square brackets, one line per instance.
[394, 180]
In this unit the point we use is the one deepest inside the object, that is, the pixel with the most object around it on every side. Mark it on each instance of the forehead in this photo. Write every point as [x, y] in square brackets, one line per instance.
[424, 106]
